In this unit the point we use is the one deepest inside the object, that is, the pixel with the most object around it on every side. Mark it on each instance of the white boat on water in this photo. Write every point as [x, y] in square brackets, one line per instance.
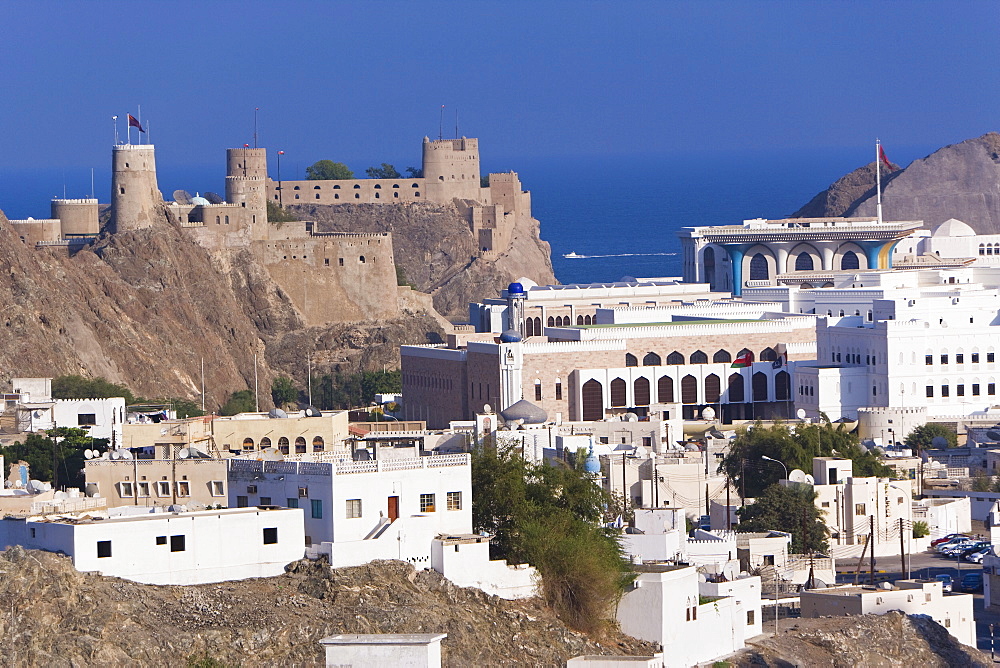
[571, 255]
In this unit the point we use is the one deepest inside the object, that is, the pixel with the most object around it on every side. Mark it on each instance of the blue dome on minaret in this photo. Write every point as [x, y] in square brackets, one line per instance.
[515, 289]
[593, 464]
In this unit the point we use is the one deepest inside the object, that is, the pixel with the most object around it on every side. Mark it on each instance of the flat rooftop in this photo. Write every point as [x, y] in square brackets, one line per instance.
[145, 517]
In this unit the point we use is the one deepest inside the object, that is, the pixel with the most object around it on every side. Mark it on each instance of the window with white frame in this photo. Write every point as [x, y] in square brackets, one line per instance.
[183, 488]
[143, 488]
[353, 508]
[216, 488]
[163, 488]
[454, 500]
[126, 490]
[427, 503]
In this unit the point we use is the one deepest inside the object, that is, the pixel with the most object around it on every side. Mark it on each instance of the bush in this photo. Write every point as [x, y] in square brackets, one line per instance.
[283, 391]
[78, 387]
[239, 402]
[277, 214]
[920, 529]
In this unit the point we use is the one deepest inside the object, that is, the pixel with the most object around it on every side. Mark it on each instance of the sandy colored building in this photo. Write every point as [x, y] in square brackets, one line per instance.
[157, 482]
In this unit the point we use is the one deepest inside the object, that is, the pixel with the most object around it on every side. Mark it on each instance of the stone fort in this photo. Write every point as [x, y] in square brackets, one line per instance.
[329, 277]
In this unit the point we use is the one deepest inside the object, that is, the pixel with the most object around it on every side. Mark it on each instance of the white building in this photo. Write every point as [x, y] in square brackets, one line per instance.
[403, 650]
[169, 548]
[944, 516]
[38, 411]
[911, 597]
[663, 606]
[359, 511]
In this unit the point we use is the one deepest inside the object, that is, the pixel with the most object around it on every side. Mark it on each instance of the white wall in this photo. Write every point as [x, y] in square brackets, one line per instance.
[468, 564]
[402, 650]
[109, 415]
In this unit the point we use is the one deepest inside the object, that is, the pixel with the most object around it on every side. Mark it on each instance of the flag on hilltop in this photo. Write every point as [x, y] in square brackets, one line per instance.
[884, 159]
[134, 123]
[744, 360]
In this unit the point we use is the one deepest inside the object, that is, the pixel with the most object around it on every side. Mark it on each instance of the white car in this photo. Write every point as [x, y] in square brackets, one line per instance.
[977, 557]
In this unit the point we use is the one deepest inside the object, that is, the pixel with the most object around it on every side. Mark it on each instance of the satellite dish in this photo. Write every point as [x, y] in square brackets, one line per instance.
[59, 496]
[271, 455]
[640, 451]
[184, 453]
[939, 442]
[88, 454]
[125, 454]
[163, 432]
[277, 413]
[887, 586]
[182, 197]
[115, 455]
[106, 455]
[708, 413]
[312, 411]
[801, 414]
[796, 475]
[631, 417]
[487, 408]
[37, 414]
[214, 198]
[809, 479]
[993, 435]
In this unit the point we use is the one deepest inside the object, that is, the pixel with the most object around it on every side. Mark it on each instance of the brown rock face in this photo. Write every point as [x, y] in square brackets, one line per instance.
[958, 181]
[143, 308]
[55, 616]
[435, 247]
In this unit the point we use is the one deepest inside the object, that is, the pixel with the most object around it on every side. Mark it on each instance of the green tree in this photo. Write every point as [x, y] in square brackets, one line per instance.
[328, 170]
[386, 171]
[185, 408]
[748, 471]
[922, 437]
[401, 277]
[415, 173]
[791, 509]
[278, 214]
[283, 391]
[484, 181]
[353, 390]
[981, 482]
[242, 401]
[78, 387]
[920, 529]
[548, 516]
[63, 447]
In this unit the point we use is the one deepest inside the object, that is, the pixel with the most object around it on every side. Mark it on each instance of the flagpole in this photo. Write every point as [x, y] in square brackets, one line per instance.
[878, 181]
[114, 119]
[139, 119]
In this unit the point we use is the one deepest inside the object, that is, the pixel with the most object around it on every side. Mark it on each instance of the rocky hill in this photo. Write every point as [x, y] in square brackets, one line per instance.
[893, 639]
[438, 253]
[52, 615]
[958, 181]
[144, 308]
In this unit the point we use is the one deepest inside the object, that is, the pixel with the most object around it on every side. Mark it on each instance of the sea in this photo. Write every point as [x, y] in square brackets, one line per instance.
[619, 214]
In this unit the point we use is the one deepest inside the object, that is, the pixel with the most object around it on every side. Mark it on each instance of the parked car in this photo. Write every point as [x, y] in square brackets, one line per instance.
[952, 543]
[948, 538]
[945, 580]
[975, 547]
[972, 582]
[978, 556]
[959, 546]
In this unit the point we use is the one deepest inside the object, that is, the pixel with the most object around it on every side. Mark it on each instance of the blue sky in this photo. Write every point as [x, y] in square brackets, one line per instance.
[364, 81]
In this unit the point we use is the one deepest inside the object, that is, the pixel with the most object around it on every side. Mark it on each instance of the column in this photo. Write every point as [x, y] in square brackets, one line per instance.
[736, 260]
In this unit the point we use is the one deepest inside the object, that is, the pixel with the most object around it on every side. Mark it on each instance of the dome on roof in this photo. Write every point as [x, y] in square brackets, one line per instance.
[593, 464]
[510, 336]
[515, 289]
[953, 228]
[525, 411]
[526, 283]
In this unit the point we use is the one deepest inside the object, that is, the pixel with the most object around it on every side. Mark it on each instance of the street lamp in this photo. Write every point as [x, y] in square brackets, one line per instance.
[770, 459]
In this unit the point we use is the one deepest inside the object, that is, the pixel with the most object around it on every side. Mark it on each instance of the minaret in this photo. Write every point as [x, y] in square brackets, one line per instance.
[246, 178]
[135, 197]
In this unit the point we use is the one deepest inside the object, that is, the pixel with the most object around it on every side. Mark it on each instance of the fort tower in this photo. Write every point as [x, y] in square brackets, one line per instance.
[246, 183]
[135, 197]
[451, 169]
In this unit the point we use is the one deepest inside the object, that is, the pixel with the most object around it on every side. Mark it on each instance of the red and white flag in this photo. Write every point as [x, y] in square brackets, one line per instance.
[744, 360]
[134, 123]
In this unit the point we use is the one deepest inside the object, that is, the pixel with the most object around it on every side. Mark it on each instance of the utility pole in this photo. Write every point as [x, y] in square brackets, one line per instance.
[871, 556]
[902, 551]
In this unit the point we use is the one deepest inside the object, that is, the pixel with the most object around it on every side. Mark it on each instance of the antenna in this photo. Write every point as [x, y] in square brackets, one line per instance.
[91, 183]
[456, 123]
[441, 125]
[255, 110]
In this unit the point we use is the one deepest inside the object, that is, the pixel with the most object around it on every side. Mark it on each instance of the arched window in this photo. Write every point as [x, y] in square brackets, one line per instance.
[558, 321]
[675, 358]
[768, 355]
[722, 357]
[592, 394]
[300, 445]
[378, 186]
[759, 383]
[248, 443]
[758, 268]
[318, 444]
[297, 188]
[743, 352]
[336, 187]
[283, 445]
[640, 389]
[265, 443]
[529, 327]
[630, 360]
[689, 389]
[579, 320]
[850, 261]
[804, 262]
[698, 357]
[651, 359]
[587, 320]
[782, 386]
[618, 391]
[737, 389]
[415, 185]
[551, 321]
[708, 259]
[357, 186]
[665, 390]
[538, 326]
[395, 185]
[713, 388]
[315, 187]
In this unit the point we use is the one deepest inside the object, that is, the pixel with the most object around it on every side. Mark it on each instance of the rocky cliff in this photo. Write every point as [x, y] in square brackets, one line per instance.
[437, 250]
[143, 308]
[52, 615]
[958, 181]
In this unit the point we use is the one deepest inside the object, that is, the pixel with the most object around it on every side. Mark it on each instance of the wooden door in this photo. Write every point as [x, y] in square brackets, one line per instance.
[393, 508]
